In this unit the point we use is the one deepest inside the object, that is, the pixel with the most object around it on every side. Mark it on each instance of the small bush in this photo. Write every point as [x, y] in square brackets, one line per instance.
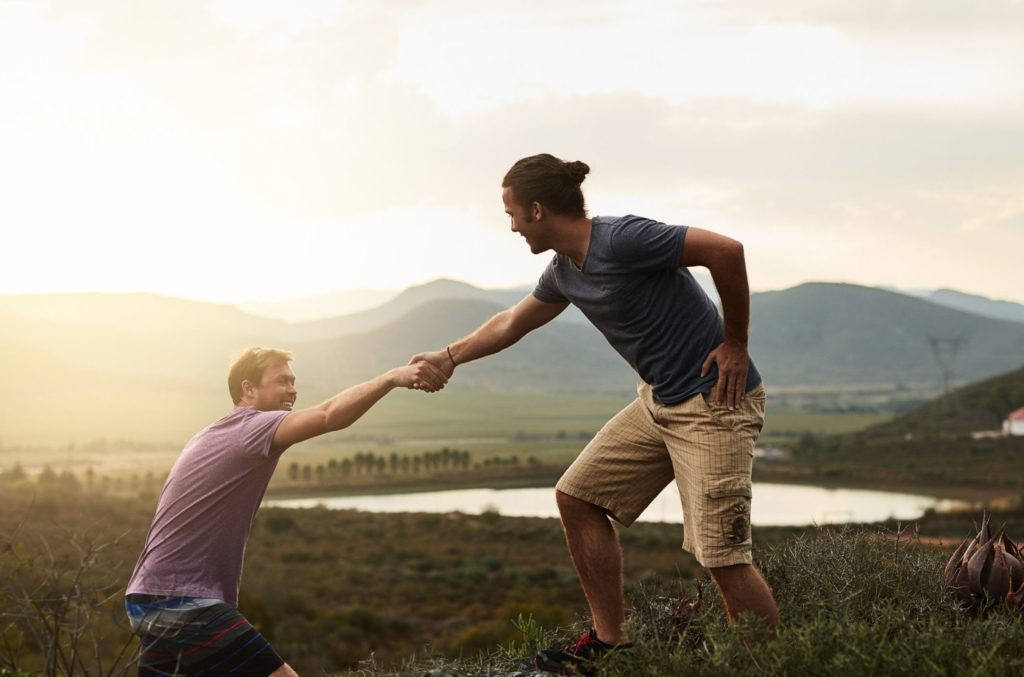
[853, 601]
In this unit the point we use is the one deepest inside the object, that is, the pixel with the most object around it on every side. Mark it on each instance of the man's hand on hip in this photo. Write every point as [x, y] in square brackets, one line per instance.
[733, 361]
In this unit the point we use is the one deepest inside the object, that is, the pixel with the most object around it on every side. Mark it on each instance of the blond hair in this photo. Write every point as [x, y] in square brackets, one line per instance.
[250, 366]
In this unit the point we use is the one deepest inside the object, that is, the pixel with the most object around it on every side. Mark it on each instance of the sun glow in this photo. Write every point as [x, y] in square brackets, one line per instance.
[176, 149]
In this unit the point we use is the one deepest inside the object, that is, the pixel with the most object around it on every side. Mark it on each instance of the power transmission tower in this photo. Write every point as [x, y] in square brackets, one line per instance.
[945, 351]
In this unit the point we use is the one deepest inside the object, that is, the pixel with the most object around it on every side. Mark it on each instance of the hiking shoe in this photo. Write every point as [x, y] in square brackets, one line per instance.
[576, 659]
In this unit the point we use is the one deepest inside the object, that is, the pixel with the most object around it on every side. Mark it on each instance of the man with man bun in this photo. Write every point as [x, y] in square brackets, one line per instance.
[700, 401]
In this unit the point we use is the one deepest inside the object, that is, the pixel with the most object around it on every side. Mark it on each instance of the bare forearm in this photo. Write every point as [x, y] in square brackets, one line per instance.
[491, 337]
[349, 405]
[494, 335]
[730, 275]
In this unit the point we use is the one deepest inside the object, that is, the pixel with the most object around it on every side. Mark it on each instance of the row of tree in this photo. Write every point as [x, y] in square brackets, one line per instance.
[361, 464]
[89, 479]
[368, 464]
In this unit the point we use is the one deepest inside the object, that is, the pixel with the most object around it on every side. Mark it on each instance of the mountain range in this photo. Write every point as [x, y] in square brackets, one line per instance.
[84, 355]
[338, 303]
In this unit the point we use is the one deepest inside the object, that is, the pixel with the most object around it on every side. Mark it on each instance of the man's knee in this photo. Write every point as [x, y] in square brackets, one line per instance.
[564, 501]
[284, 671]
[733, 574]
[570, 506]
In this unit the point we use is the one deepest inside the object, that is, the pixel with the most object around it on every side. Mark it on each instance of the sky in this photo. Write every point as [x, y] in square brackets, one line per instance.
[232, 150]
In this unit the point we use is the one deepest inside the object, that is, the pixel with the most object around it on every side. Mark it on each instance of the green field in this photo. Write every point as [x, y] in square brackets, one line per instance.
[550, 427]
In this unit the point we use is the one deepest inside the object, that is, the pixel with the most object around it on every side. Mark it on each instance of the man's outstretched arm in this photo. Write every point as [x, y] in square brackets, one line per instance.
[346, 407]
[494, 335]
[723, 257]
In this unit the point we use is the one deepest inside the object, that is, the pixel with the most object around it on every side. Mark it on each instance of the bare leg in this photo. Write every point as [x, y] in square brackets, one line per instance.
[284, 671]
[594, 548]
[744, 589]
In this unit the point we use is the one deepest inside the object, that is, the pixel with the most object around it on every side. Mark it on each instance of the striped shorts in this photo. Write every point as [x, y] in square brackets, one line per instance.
[706, 448]
[196, 636]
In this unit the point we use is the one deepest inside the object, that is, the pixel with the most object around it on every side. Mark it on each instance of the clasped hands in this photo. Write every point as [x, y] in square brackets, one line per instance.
[428, 372]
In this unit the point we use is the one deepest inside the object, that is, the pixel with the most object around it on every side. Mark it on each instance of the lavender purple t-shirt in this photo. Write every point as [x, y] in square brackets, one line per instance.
[196, 543]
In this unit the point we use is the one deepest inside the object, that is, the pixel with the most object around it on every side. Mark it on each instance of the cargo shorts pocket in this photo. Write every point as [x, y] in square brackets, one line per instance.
[747, 418]
[727, 510]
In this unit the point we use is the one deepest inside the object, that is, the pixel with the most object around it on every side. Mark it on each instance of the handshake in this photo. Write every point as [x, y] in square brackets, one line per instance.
[428, 372]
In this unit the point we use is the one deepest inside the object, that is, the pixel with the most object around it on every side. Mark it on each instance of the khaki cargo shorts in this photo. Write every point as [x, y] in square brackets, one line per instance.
[706, 448]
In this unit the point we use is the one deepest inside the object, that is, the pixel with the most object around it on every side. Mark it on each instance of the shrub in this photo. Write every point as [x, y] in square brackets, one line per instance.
[853, 601]
[55, 603]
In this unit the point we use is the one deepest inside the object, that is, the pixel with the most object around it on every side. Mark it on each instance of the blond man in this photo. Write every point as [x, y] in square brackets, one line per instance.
[182, 596]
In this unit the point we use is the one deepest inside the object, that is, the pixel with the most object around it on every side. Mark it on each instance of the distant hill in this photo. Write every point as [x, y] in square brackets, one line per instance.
[144, 312]
[970, 303]
[181, 351]
[395, 305]
[137, 361]
[983, 405]
[52, 400]
[319, 306]
[402, 304]
[979, 305]
[560, 357]
[842, 333]
[811, 334]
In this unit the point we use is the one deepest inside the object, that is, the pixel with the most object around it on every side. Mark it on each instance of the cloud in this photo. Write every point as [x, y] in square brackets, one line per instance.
[889, 16]
[796, 125]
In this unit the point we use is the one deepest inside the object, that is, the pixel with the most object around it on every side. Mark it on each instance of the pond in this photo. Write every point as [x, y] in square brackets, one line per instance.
[773, 504]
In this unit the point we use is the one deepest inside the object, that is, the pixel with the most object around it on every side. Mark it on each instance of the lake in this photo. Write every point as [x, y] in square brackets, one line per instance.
[773, 504]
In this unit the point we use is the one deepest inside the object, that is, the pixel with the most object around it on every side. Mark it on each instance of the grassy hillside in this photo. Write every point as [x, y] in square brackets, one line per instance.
[929, 447]
[359, 584]
[404, 594]
[852, 601]
[978, 406]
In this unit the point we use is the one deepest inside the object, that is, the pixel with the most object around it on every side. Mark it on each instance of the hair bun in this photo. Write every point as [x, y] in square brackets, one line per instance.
[577, 170]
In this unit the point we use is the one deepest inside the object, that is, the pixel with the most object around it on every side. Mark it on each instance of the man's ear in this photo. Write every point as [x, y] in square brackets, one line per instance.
[537, 211]
[247, 387]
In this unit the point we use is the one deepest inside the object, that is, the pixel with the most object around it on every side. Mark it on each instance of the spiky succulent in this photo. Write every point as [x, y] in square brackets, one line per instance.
[986, 570]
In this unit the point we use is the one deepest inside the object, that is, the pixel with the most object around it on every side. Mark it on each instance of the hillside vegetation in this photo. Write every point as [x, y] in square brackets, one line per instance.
[978, 406]
[930, 447]
[852, 601]
[478, 595]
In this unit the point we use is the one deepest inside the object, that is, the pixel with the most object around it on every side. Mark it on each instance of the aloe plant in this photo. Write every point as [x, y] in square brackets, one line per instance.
[986, 570]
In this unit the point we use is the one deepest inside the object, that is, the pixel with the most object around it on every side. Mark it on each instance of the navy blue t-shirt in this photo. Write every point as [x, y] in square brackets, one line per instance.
[650, 309]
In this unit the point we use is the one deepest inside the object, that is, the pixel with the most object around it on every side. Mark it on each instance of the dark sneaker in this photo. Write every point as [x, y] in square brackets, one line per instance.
[577, 659]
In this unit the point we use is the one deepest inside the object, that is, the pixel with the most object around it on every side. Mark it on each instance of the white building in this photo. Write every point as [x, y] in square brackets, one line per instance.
[1014, 423]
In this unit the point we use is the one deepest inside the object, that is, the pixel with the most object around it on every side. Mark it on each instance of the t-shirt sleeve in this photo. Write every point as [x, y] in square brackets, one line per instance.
[643, 244]
[258, 433]
[547, 286]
